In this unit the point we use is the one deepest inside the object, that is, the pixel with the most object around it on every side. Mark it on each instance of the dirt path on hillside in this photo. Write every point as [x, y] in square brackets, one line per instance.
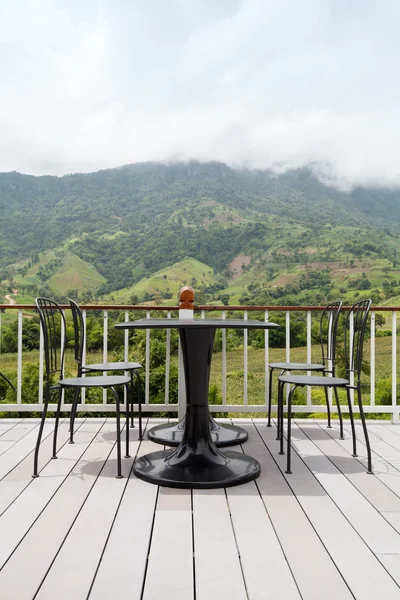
[10, 298]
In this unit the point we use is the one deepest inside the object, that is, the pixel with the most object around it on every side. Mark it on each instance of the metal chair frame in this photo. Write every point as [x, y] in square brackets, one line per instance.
[130, 367]
[8, 381]
[53, 325]
[328, 322]
[353, 347]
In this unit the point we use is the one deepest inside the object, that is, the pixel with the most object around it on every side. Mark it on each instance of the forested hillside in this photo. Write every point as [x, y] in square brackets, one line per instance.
[262, 236]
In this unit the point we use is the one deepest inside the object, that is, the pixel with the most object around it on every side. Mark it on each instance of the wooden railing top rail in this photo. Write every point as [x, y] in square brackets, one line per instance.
[206, 307]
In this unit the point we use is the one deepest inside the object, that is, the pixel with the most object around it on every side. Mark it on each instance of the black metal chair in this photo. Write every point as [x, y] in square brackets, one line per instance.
[327, 334]
[131, 367]
[53, 324]
[353, 346]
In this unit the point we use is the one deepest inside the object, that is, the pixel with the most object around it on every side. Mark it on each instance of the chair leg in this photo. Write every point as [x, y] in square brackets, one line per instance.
[339, 410]
[328, 407]
[72, 417]
[280, 418]
[270, 397]
[127, 455]
[118, 414]
[283, 372]
[56, 424]
[131, 374]
[353, 430]
[139, 397]
[39, 437]
[289, 431]
[364, 425]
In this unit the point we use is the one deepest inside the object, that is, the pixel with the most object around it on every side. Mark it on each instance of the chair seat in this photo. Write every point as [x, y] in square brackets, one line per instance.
[292, 366]
[104, 382]
[314, 380]
[112, 366]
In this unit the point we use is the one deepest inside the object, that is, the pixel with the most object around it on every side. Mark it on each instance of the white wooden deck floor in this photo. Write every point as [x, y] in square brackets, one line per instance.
[328, 531]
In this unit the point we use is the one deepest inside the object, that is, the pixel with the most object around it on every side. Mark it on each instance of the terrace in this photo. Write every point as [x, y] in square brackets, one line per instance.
[328, 530]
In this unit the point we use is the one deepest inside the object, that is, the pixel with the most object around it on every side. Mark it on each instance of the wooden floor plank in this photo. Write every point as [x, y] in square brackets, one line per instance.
[7, 424]
[394, 519]
[170, 566]
[129, 541]
[12, 436]
[72, 572]
[217, 566]
[392, 564]
[387, 434]
[25, 447]
[371, 525]
[378, 534]
[50, 529]
[372, 488]
[20, 516]
[265, 568]
[392, 427]
[385, 458]
[366, 576]
[12, 484]
[308, 558]
[170, 562]
[78, 534]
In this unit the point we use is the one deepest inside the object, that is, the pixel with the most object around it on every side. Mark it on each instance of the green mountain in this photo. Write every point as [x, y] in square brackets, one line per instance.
[121, 230]
[62, 270]
[164, 285]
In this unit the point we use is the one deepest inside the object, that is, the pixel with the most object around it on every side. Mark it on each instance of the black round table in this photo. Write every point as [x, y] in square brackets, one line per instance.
[196, 462]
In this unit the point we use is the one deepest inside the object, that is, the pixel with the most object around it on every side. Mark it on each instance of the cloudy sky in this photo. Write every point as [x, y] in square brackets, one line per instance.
[90, 84]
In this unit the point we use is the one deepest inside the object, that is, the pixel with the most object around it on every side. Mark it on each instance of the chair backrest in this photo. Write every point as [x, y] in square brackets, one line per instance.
[328, 330]
[354, 332]
[52, 320]
[79, 333]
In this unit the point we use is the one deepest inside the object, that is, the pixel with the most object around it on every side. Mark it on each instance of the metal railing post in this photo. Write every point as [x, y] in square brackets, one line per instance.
[105, 348]
[309, 357]
[19, 359]
[147, 386]
[372, 363]
[167, 361]
[223, 361]
[245, 361]
[395, 409]
[266, 360]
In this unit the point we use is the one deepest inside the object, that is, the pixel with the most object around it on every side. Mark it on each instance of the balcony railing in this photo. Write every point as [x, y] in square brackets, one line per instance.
[247, 406]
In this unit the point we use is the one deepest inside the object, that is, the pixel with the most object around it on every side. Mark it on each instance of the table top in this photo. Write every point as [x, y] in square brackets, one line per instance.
[196, 324]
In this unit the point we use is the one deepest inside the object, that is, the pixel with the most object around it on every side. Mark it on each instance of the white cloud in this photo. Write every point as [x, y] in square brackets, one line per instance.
[265, 83]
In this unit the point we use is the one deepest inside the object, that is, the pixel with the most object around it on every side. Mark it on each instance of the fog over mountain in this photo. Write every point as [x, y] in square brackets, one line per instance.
[271, 84]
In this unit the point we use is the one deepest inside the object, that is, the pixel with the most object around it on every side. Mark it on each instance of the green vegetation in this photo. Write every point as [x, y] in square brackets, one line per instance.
[163, 287]
[266, 239]
[56, 273]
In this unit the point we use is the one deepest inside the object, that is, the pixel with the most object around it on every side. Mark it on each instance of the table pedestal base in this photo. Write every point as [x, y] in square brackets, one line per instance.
[196, 463]
[222, 434]
[166, 468]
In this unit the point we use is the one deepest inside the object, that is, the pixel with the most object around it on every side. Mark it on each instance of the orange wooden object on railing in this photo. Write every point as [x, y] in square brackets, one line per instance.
[186, 298]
